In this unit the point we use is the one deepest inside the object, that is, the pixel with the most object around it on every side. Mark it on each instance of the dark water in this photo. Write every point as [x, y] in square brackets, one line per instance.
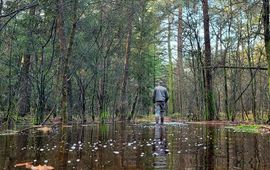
[138, 147]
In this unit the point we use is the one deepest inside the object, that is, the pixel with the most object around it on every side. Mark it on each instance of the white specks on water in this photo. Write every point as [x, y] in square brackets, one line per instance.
[155, 154]
[69, 161]
[200, 144]
[116, 152]
[78, 160]
[41, 149]
[46, 161]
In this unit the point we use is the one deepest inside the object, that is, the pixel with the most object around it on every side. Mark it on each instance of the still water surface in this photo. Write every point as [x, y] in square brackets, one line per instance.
[138, 146]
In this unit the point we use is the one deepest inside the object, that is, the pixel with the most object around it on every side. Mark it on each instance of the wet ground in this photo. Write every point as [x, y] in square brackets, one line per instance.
[137, 146]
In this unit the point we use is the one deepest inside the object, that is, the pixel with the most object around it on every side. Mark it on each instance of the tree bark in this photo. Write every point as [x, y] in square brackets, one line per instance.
[1, 7]
[267, 40]
[180, 69]
[124, 98]
[63, 57]
[210, 111]
[25, 81]
[170, 68]
[252, 74]
[69, 53]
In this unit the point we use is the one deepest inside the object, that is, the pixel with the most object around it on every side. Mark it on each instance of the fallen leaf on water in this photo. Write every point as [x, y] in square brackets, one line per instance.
[29, 165]
[26, 164]
[45, 129]
[42, 167]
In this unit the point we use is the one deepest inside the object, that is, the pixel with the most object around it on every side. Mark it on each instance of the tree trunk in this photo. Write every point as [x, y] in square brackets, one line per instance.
[210, 110]
[69, 53]
[1, 8]
[82, 99]
[267, 40]
[124, 99]
[180, 69]
[170, 68]
[64, 58]
[25, 82]
[252, 74]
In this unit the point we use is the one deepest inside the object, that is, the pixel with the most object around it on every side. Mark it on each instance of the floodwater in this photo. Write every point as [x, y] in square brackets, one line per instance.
[137, 146]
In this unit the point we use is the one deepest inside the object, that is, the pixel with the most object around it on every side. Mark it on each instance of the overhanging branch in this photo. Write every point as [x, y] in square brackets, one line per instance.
[237, 67]
[19, 10]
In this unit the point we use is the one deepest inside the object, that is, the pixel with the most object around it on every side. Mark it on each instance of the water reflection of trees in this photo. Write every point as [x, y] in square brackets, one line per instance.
[62, 156]
[190, 147]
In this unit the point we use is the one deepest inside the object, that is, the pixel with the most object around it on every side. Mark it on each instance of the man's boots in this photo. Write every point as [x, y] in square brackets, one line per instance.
[157, 120]
[162, 120]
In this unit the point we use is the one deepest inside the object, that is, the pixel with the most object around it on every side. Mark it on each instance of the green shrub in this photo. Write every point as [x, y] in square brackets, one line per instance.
[104, 116]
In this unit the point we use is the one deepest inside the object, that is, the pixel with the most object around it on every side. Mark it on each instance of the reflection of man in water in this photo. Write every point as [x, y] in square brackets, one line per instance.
[160, 148]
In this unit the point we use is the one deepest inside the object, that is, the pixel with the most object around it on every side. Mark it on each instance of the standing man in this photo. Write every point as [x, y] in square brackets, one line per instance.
[160, 98]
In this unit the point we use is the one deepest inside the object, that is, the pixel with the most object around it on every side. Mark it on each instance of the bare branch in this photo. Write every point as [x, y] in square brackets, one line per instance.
[238, 67]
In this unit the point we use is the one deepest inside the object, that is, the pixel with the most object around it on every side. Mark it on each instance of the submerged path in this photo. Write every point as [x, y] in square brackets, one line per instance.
[137, 146]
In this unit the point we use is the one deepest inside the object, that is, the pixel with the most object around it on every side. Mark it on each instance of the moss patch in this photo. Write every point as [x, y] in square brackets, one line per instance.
[247, 128]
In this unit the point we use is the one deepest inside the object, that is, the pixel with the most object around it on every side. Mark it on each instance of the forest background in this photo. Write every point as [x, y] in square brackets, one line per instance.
[88, 59]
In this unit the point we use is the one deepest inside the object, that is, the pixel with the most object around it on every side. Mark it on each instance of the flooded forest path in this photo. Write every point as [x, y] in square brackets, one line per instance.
[137, 146]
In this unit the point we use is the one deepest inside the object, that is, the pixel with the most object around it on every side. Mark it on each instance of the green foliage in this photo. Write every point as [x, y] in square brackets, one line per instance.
[246, 128]
[103, 129]
[176, 116]
[104, 116]
[96, 63]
